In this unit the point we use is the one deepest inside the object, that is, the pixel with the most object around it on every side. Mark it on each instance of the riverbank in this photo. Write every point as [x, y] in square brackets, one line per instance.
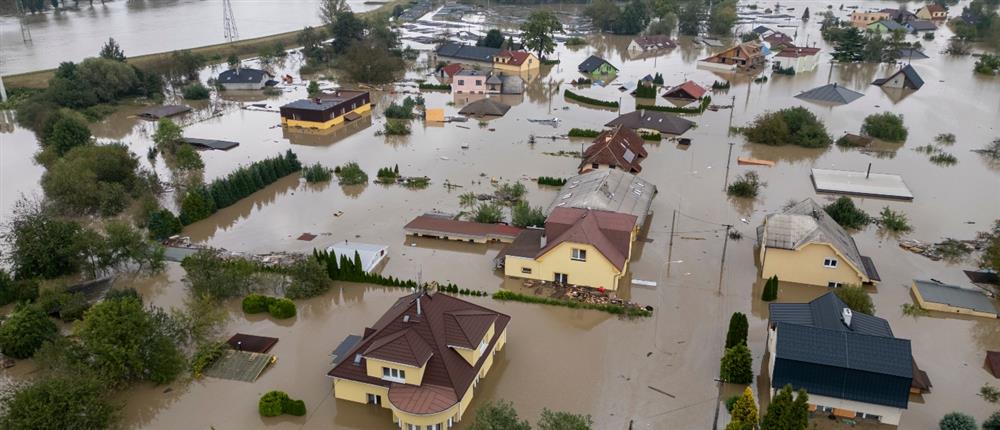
[242, 48]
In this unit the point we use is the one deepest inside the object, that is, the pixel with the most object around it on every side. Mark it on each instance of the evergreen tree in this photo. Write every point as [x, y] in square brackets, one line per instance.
[736, 366]
[744, 412]
[770, 289]
[784, 413]
[850, 45]
[738, 326]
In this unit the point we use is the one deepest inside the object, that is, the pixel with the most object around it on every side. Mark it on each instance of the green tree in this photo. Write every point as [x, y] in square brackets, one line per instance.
[63, 402]
[738, 327]
[313, 89]
[25, 330]
[372, 62]
[604, 14]
[112, 51]
[957, 421]
[346, 30]
[168, 135]
[488, 213]
[523, 215]
[886, 126]
[635, 17]
[186, 64]
[787, 412]
[737, 365]
[25, 290]
[330, 10]
[689, 17]
[744, 412]
[67, 133]
[849, 45]
[196, 91]
[308, 279]
[722, 17]
[187, 158]
[796, 126]
[538, 32]
[209, 274]
[990, 258]
[551, 420]
[856, 298]
[993, 422]
[499, 415]
[846, 214]
[770, 289]
[163, 224]
[93, 179]
[196, 205]
[494, 39]
[40, 245]
[109, 79]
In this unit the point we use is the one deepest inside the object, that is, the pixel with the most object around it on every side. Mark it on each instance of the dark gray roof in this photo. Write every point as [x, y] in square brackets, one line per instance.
[654, 120]
[921, 25]
[485, 107]
[243, 76]
[830, 93]
[913, 79]
[825, 312]
[912, 54]
[955, 296]
[317, 104]
[844, 364]
[211, 143]
[760, 29]
[891, 25]
[157, 112]
[467, 52]
[608, 190]
[592, 63]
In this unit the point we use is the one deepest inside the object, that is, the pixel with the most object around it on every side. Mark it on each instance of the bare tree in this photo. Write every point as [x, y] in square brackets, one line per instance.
[329, 9]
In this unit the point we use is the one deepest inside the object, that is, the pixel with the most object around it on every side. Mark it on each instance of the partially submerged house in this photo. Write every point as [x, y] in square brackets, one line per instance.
[243, 79]
[941, 297]
[650, 121]
[905, 77]
[484, 108]
[494, 84]
[608, 190]
[651, 43]
[447, 227]
[326, 110]
[478, 55]
[371, 255]
[450, 70]
[932, 11]
[582, 247]
[885, 27]
[900, 16]
[422, 359]
[850, 363]
[778, 41]
[618, 148]
[687, 91]
[798, 59]
[516, 61]
[919, 25]
[511, 84]
[861, 19]
[165, 111]
[805, 245]
[747, 55]
[596, 66]
[832, 94]
[468, 81]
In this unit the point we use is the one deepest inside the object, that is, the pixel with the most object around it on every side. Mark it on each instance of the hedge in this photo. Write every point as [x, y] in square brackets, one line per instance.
[202, 201]
[584, 99]
[609, 308]
[583, 132]
[275, 403]
[279, 308]
[548, 180]
[673, 109]
[651, 136]
[442, 87]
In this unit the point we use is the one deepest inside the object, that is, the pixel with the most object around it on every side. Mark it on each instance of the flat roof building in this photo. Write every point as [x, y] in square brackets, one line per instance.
[327, 110]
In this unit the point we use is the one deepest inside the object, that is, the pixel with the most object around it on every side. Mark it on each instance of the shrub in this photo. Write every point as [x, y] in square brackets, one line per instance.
[523, 215]
[202, 201]
[317, 173]
[195, 91]
[16, 291]
[187, 158]
[886, 126]
[993, 422]
[746, 185]
[396, 128]
[271, 403]
[351, 174]
[548, 180]
[943, 158]
[655, 137]
[987, 64]
[796, 126]
[488, 213]
[770, 289]
[738, 326]
[256, 303]
[25, 330]
[401, 111]
[308, 279]
[846, 214]
[584, 99]
[699, 108]
[205, 356]
[894, 221]
[945, 139]
[281, 308]
[736, 366]
[575, 41]
[163, 224]
[294, 407]
[436, 87]
[989, 393]
[573, 304]
[957, 421]
[856, 298]
[723, 85]
[583, 132]
[644, 92]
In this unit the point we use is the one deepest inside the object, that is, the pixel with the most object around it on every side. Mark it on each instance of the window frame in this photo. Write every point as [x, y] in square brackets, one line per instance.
[578, 254]
[526, 270]
[830, 262]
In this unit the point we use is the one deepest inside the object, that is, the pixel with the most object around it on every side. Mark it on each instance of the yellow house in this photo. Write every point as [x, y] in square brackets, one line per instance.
[804, 245]
[327, 110]
[861, 19]
[516, 61]
[422, 360]
[577, 247]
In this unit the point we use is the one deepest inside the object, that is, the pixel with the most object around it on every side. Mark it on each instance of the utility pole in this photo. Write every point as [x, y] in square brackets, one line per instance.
[670, 249]
[229, 22]
[722, 266]
[729, 160]
[25, 31]
[732, 108]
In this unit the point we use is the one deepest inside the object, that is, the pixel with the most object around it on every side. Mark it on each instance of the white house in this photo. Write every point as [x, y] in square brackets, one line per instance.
[799, 59]
[243, 79]
[371, 255]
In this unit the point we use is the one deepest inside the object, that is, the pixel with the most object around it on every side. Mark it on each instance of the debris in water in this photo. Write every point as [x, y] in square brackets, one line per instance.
[661, 392]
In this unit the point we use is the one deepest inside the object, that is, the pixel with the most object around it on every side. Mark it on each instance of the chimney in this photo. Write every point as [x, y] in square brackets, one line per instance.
[846, 316]
[418, 303]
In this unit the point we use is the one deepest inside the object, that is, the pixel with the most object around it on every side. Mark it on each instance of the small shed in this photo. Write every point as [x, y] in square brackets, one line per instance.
[830, 94]
[164, 111]
[937, 296]
[223, 145]
[243, 79]
[434, 115]
[905, 77]
[371, 255]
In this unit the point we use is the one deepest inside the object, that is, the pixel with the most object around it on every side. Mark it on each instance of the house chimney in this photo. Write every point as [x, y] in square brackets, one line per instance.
[846, 315]
[418, 303]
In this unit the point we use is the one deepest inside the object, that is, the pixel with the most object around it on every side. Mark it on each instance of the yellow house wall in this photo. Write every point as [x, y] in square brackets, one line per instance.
[346, 389]
[531, 63]
[597, 271]
[414, 375]
[805, 265]
[941, 307]
[324, 125]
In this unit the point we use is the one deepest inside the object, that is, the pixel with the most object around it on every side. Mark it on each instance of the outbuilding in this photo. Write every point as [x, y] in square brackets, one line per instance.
[243, 79]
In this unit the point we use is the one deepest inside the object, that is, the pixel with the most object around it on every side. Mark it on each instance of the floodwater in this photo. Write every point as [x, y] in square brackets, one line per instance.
[582, 361]
[139, 26]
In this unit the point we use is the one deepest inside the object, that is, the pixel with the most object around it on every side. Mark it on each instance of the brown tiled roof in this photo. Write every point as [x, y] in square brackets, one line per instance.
[517, 58]
[452, 69]
[661, 41]
[404, 346]
[620, 147]
[527, 244]
[251, 343]
[441, 225]
[447, 375]
[467, 328]
[778, 38]
[796, 52]
[687, 90]
[934, 7]
[609, 232]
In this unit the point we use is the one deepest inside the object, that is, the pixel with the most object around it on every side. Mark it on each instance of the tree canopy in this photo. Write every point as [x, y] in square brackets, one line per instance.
[498, 415]
[786, 413]
[93, 179]
[856, 298]
[63, 402]
[737, 365]
[557, 420]
[538, 32]
[25, 330]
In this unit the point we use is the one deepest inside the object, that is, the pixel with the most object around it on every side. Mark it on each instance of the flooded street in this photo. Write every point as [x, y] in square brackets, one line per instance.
[563, 359]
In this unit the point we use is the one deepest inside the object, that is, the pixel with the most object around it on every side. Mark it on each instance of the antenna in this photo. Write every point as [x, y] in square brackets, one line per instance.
[229, 22]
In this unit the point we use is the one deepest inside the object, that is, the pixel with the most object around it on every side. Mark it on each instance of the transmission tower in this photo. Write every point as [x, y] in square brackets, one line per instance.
[229, 21]
[25, 31]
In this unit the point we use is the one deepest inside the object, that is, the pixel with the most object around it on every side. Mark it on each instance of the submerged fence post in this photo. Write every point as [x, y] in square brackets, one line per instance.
[869, 172]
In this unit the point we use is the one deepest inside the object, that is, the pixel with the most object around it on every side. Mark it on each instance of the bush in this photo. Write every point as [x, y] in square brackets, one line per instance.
[583, 132]
[401, 111]
[736, 366]
[281, 308]
[92, 179]
[856, 298]
[25, 330]
[655, 137]
[702, 105]
[886, 126]
[63, 401]
[548, 180]
[584, 99]
[195, 91]
[644, 92]
[488, 213]
[271, 403]
[894, 221]
[16, 291]
[163, 224]
[308, 279]
[989, 393]
[294, 407]
[738, 326]
[575, 41]
[351, 174]
[796, 126]
[436, 87]
[770, 289]
[846, 214]
[317, 173]
[987, 64]
[573, 304]
[523, 215]
[993, 422]
[957, 421]
[206, 355]
[746, 185]
[396, 128]
[943, 158]
[187, 158]
[256, 303]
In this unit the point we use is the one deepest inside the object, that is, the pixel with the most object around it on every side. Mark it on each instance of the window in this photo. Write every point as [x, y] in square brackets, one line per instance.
[833, 284]
[461, 81]
[526, 270]
[479, 81]
[830, 263]
[561, 278]
[595, 165]
[434, 427]
[412, 427]
[482, 347]
[374, 399]
[451, 422]
[397, 375]
[579, 254]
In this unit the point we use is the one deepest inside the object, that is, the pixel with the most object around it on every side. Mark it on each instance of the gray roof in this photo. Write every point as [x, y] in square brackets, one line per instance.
[891, 25]
[760, 29]
[805, 223]
[912, 77]
[469, 72]
[912, 54]
[467, 52]
[955, 296]
[493, 79]
[592, 63]
[243, 76]
[825, 312]
[830, 93]
[921, 25]
[654, 120]
[512, 84]
[308, 104]
[607, 189]
[485, 107]
[211, 143]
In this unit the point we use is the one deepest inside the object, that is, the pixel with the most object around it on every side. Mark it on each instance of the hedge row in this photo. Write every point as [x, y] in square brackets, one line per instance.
[453, 289]
[609, 308]
[651, 136]
[584, 99]
[673, 109]
[352, 270]
[548, 180]
[442, 87]
[275, 403]
[583, 132]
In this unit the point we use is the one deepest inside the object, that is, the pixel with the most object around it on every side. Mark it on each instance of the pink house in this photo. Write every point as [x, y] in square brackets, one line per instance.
[469, 82]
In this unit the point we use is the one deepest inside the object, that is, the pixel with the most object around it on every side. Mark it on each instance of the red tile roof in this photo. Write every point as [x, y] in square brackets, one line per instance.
[778, 38]
[404, 346]
[430, 224]
[934, 7]
[687, 90]
[620, 147]
[452, 69]
[516, 58]
[609, 232]
[655, 42]
[447, 376]
[796, 52]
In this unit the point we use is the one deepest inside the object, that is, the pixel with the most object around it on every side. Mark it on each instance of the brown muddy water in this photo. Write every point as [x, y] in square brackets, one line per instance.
[582, 361]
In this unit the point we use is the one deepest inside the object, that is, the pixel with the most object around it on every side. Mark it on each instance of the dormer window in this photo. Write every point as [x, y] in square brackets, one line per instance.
[394, 375]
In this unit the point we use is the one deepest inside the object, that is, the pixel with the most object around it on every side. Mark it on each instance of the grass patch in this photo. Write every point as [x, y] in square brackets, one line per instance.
[505, 295]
